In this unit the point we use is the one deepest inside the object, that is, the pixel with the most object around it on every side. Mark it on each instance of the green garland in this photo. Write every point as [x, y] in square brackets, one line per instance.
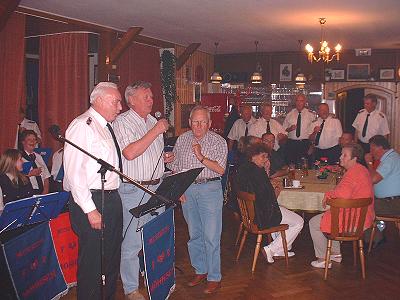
[168, 81]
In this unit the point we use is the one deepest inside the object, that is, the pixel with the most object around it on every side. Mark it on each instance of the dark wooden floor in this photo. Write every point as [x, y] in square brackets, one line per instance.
[298, 281]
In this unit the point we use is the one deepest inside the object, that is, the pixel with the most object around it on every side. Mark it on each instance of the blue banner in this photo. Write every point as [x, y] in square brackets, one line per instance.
[33, 265]
[158, 236]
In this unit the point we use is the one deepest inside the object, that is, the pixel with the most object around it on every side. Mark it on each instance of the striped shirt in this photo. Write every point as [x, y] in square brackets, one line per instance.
[129, 127]
[213, 146]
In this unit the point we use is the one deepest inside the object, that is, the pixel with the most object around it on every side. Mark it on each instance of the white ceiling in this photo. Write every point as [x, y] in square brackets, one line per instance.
[236, 24]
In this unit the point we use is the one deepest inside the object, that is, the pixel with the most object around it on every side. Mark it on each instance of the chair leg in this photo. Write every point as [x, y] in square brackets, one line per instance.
[285, 249]
[239, 233]
[256, 252]
[371, 239]
[362, 258]
[355, 253]
[241, 244]
[327, 258]
[398, 226]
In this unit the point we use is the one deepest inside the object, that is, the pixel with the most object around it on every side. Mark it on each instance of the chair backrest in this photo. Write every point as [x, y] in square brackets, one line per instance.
[246, 205]
[348, 217]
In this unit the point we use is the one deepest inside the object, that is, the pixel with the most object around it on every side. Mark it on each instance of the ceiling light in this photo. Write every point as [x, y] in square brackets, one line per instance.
[324, 51]
[256, 77]
[216, 77]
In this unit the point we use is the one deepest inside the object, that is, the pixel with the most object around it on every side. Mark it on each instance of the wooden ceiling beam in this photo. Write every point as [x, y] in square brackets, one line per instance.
[6, 9]
[182, 59]
[124, 43]
[154, 42]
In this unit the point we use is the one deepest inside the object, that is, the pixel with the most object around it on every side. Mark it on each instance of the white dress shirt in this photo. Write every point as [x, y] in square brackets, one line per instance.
[307, 117]
[40, 164]
[377, 124]
[330, 134]
[239, 128]
[130, 127]
[57, 163]
[88, 131]
[261, 127]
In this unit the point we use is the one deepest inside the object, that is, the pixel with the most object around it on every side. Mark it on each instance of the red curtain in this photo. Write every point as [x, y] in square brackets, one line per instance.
[12, 78]
[142, 62]
[63, 81]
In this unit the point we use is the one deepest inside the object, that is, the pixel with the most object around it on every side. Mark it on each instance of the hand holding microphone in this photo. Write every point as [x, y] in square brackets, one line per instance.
[162, 124]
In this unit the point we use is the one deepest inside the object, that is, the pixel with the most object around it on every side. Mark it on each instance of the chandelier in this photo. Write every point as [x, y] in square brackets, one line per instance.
[324, 52]
[216, 77]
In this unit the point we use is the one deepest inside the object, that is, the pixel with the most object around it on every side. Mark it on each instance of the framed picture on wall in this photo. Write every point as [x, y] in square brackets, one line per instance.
[358, 72]
[337, 74]
[285, 72]
[197, 92]
[386, 74]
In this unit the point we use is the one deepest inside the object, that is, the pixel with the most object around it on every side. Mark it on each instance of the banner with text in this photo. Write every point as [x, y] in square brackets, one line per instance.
[158, 236]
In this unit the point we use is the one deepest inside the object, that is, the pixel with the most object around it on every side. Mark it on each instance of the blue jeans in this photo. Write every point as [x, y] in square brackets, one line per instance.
[132, 243]
[203, 214]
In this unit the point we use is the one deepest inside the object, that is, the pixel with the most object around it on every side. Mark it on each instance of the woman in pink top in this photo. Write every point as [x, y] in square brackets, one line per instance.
[356, 183]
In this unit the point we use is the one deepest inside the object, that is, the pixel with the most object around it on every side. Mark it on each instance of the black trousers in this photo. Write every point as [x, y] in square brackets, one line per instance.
[89, 255]
[333, 154]
[296, 149]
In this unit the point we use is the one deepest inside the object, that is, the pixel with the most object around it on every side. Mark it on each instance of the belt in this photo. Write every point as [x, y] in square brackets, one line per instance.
[205, 180]
[389, 198]
[147, 182]
[303, 140]
[105, 191]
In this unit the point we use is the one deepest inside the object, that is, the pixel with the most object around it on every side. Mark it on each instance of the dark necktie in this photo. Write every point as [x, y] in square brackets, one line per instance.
[318, 136]
[116, 146]
[39, 180]
[268, 128]
[298, 124]
[246, 132]
[364, 131]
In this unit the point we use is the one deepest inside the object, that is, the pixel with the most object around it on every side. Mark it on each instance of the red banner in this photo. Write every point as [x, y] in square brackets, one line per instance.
[66, 245]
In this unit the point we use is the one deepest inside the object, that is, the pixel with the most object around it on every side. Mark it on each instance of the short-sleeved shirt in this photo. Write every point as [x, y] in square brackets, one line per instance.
[377, 124]
[213, 146]
[307, 117]
[239, 129]
[389, 169]
[330, 134]
[261, 127]
[40, 164]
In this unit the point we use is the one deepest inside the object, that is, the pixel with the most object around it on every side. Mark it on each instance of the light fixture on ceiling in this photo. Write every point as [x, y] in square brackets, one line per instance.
[324, 51]
[216, 77]
[300, 78]
[256, 77]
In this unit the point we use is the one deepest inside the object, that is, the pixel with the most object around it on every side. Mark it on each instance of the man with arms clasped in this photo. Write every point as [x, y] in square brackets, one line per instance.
[92, 132]
[202, 202]
[141, 138]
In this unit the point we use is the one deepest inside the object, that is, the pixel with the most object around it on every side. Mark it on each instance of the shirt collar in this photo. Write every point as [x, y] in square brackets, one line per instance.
[99, 118]
[136, 115]
[386, 154]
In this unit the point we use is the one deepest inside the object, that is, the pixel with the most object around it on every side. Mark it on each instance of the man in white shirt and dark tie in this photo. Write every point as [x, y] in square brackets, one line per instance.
[241, 127]
[325, 133]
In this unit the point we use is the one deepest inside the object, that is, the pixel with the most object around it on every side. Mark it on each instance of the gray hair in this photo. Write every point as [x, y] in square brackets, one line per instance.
[100, 89]
[200, 107]
[132, 88]
[371, 97]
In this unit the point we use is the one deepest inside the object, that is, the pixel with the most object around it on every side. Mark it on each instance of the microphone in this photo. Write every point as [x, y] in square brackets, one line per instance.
[157, 115]
[55, 131]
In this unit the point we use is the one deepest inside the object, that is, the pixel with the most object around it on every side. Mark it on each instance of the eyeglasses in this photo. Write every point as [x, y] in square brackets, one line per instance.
[198, 123]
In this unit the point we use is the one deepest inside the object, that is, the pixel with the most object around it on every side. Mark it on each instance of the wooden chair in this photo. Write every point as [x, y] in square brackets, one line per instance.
[351, 229]
[246, 205]
[395, 219]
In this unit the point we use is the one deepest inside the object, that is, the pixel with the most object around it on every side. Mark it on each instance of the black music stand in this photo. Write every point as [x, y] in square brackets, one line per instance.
[170, 190]
[32, 210]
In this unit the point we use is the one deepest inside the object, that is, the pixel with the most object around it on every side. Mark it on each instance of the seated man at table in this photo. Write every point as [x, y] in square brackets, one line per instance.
[386, 179]
[278, 167]
[356, 183]
[252, 178]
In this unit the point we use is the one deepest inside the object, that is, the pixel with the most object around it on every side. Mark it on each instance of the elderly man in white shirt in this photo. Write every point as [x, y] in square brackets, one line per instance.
[242, 126]
[325, 133]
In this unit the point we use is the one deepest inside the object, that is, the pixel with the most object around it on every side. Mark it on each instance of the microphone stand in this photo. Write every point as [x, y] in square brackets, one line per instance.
[104, 167]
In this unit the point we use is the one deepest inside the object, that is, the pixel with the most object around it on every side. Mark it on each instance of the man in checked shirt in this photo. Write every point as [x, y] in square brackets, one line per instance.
[202, 202]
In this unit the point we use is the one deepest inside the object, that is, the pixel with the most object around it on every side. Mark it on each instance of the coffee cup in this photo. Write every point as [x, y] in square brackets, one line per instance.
[296, 183]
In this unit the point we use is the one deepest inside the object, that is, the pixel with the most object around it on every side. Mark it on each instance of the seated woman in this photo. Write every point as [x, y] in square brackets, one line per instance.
[13, 184]
[253, 178]
[356, 183]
